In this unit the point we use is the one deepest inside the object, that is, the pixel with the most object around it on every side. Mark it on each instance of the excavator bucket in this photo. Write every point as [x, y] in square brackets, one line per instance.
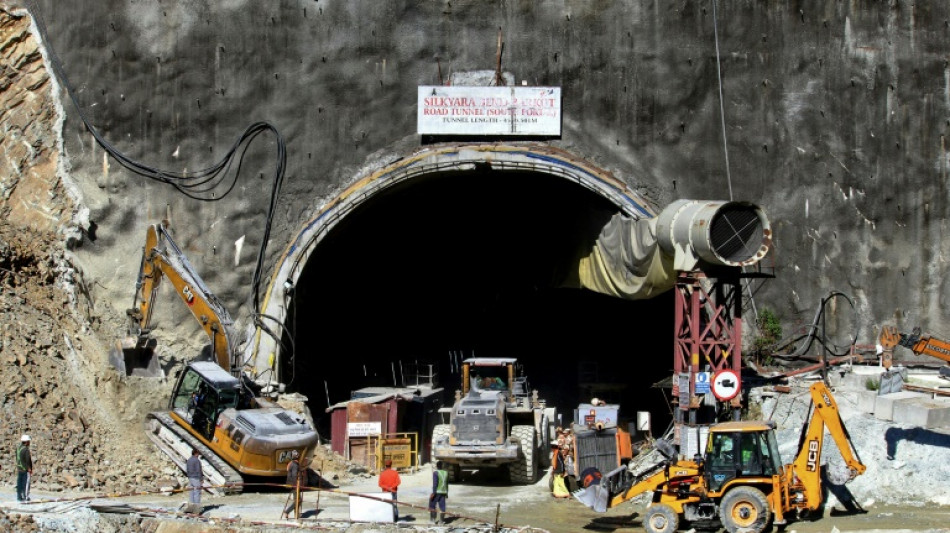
[135, 356]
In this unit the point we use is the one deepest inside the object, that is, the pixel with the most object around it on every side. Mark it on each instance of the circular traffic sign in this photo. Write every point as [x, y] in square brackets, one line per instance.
[725, 385]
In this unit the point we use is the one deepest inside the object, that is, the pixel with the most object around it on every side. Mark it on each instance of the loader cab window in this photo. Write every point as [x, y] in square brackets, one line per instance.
[741, 454]
[771, 453]
[759, 454]
[721, 459]
[490, 378]
[721, 450]
[750, 456]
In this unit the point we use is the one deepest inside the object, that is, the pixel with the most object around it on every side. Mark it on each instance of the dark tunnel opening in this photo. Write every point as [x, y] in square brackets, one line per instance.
[470, 264]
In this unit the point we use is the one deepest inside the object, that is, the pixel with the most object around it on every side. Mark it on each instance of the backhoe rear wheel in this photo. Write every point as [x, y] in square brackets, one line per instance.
[744, 509]
[660, 518]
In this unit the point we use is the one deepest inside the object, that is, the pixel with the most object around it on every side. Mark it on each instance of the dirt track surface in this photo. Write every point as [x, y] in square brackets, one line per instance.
[472, 506]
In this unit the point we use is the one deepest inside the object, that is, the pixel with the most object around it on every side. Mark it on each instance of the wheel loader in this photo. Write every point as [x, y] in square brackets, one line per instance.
[495, 422]
[739, 481]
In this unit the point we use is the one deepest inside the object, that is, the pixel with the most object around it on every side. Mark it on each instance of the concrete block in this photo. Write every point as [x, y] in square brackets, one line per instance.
[924, 412]
[884, 404]
[866, 401]
[861, 377]
[857, 381]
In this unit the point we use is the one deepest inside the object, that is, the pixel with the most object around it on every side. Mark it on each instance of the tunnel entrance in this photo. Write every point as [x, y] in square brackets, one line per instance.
[471, 263]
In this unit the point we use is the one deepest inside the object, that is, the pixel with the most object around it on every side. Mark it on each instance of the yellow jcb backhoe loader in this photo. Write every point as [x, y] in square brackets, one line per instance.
[739, 480]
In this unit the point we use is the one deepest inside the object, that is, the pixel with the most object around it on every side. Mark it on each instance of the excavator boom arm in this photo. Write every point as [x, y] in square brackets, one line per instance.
[928, 345]
[915, 342]
[163, 259]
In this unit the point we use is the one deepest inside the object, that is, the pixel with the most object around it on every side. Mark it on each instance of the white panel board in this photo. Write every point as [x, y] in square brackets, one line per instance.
[515, 110]
[367, 510]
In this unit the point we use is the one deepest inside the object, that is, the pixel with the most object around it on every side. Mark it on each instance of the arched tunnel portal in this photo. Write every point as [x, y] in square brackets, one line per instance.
[455, 253]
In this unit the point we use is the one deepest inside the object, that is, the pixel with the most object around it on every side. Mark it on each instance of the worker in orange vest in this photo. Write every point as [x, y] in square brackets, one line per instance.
[389, 482]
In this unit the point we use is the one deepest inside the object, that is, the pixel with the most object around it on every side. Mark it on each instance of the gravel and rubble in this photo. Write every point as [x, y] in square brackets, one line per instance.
[906, 465]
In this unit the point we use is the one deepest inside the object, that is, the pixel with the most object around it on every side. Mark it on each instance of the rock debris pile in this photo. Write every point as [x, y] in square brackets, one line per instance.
[84, 419]
[46, 375]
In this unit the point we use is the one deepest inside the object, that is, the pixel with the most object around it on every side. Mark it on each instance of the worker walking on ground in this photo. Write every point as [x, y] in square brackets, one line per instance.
[195, 476]
[389, 482]
[296, 478]
[24, 469]
[440, 491]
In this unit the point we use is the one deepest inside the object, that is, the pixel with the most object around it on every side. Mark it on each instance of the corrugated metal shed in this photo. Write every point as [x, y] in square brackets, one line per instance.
[394, 409]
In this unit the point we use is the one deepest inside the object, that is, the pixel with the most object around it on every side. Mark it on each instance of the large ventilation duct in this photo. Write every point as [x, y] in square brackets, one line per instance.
[715, 232]
[637, 259]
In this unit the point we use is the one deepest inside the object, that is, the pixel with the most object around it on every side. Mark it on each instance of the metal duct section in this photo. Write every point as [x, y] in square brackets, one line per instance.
[716, 232]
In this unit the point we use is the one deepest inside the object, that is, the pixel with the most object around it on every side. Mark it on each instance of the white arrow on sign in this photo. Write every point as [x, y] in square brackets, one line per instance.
[725, 385]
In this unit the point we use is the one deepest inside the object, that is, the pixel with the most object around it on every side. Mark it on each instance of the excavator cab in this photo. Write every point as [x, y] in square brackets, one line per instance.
[203, 391]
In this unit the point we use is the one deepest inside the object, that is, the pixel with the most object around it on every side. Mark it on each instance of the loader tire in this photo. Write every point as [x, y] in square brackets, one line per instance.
[744, 509]
[453, 473]
[660, 518]
[544, 443]
[439, 433]
[525, 470]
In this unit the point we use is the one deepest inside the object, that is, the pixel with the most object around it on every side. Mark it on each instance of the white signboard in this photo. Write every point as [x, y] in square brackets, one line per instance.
[693, 440]
[515, 110]
[363, 429]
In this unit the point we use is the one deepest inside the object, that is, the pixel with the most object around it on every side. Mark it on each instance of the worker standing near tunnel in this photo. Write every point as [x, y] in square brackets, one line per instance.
[24, 468]
[389, 482]
[440, 491]
[296, 479]
[195, 477]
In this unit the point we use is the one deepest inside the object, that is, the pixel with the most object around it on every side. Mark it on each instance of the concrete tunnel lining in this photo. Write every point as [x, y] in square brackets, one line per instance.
[543, 159]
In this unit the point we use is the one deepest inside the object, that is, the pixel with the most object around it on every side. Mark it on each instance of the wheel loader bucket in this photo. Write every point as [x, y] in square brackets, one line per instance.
[133, 356]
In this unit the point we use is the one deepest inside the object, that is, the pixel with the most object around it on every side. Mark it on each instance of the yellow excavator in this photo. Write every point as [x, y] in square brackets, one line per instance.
[916, 342]
[215, 407]
[739, 481]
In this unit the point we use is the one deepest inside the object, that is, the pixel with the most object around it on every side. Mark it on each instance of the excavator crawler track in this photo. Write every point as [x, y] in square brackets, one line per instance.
[177, 443]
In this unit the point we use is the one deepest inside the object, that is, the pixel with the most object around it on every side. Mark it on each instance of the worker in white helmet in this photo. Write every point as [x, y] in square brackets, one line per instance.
[24, 469]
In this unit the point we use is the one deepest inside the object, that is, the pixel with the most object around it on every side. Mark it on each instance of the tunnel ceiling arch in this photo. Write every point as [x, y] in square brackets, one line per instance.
[428, 162]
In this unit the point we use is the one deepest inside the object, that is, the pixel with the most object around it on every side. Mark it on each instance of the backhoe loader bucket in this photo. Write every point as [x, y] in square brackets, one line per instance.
[135, 356]
[594, 497]
[596, 491]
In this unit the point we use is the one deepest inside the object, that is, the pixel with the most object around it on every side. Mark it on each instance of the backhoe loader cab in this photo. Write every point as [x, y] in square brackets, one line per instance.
[740, 449]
